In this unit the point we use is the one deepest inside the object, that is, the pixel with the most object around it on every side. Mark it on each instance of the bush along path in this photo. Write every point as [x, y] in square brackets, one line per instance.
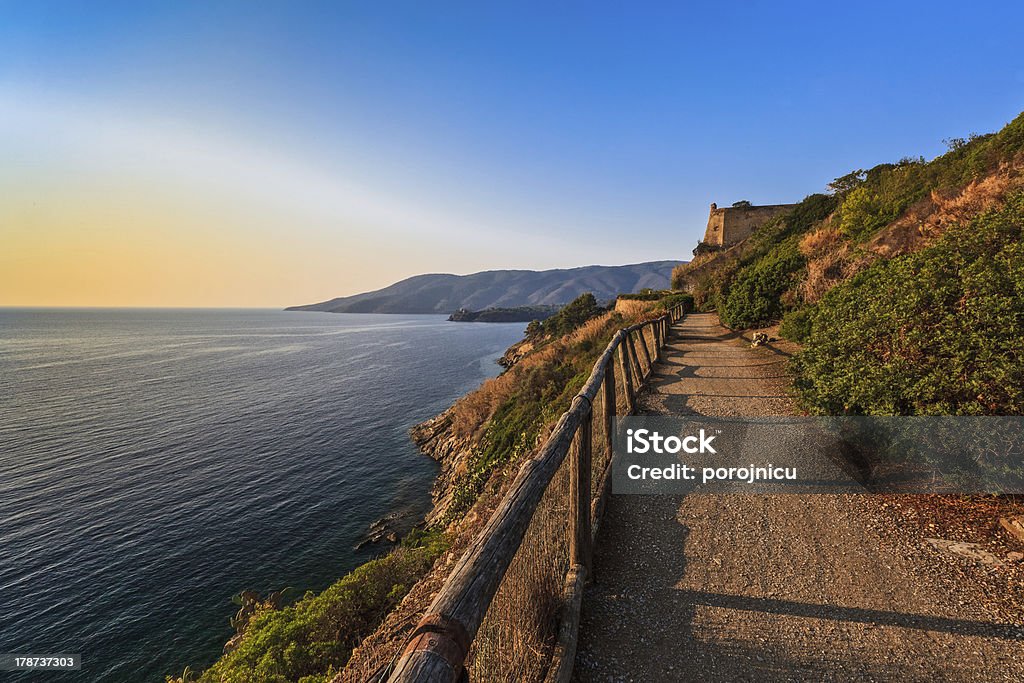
[742, 587]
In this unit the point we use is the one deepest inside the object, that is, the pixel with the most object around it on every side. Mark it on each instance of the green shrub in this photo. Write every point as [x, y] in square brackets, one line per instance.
[754, 296]
[796, 325]
[672, 300]
[885, 193]
[748, 290]
[810, 211]
[935, 332]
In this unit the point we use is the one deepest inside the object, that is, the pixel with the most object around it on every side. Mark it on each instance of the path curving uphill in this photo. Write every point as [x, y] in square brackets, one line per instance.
[771, 587]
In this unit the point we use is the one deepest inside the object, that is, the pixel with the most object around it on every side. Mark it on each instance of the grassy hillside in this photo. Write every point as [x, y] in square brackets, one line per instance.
[903, 284]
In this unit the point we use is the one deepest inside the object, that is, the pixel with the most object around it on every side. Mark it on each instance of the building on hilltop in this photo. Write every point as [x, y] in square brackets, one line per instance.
[729, 225]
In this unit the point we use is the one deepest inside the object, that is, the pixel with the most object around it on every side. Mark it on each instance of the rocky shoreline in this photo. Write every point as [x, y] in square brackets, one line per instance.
[435, 439]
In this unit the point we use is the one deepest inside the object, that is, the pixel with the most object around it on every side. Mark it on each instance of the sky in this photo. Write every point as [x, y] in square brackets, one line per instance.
[269, 154]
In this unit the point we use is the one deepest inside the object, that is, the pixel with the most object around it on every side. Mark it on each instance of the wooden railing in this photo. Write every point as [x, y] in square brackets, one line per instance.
[437, 649]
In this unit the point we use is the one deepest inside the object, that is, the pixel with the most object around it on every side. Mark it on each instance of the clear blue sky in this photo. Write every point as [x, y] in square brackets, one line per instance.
[357, 143]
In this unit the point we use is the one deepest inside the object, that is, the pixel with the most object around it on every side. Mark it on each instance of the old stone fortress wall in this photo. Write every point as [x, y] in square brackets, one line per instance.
[729, 225]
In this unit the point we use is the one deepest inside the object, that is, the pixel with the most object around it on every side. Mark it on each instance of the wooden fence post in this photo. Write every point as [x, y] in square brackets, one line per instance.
[627, 377]
[605, 481]
[579, 492]
[638, 371]
[647, 353]
[609, 408]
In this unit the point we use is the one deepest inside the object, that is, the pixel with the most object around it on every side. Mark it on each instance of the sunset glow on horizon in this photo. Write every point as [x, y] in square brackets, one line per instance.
[229, 155]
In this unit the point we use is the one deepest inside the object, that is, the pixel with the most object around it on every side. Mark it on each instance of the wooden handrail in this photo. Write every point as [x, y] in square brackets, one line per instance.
[438, 647]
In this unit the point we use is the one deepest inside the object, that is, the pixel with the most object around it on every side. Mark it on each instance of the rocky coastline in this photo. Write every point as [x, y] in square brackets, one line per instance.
[435, 439]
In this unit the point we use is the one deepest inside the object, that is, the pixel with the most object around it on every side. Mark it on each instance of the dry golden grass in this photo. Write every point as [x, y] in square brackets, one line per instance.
[700, 259]
[592, 330]
[822, 240]
[831, 258]
[631, 308]
[830, 268]
[687, 272]
[930, 217]
[471, 413]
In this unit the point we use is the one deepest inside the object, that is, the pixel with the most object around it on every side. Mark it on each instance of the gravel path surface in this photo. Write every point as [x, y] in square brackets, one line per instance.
[773, 588]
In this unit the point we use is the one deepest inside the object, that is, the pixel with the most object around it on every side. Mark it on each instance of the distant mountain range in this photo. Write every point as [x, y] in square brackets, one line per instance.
[501, 289]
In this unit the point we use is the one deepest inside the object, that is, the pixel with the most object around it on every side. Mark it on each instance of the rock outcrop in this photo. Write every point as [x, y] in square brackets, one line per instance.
[436, 439]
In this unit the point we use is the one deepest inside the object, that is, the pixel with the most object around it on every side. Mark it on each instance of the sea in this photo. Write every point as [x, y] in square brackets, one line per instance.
[154, 463]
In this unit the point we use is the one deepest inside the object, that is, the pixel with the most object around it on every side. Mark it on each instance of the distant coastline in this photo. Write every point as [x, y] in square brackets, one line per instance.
[517, 314]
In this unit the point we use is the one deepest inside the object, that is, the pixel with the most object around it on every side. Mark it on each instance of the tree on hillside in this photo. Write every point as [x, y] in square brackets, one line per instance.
[580, 310]
[844, 184]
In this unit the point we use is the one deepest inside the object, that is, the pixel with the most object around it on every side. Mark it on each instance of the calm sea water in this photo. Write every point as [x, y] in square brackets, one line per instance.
[153, 463]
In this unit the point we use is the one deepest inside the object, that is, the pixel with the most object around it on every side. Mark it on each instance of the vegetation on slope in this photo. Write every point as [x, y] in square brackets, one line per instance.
[310, 641]
[513, 409]
[938, 331]
[578, 311]
[902, 273]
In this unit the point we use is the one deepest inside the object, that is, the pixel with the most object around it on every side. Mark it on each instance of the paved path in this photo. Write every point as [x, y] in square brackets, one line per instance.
[770, 588]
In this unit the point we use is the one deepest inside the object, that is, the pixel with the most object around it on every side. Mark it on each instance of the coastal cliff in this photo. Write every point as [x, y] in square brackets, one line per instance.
[436, 439]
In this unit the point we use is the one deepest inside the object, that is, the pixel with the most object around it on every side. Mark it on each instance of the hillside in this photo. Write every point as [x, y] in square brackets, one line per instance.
[440, 293]
[904, 284]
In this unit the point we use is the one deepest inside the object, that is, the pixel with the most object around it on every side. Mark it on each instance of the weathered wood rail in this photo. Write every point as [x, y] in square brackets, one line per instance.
[437, 649]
